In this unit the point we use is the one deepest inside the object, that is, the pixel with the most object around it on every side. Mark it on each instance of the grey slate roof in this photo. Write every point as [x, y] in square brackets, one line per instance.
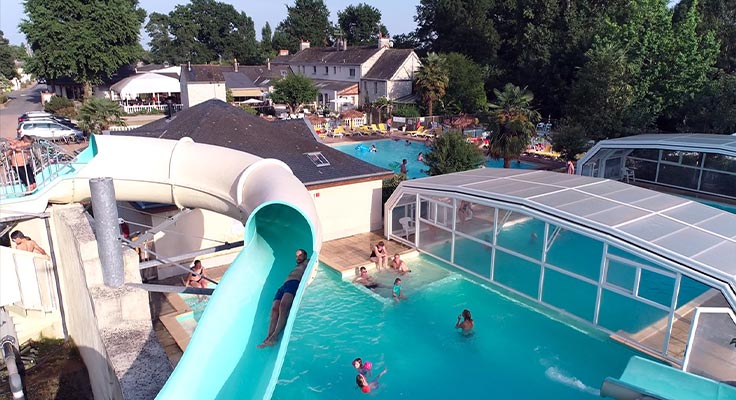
[262, 76]
[331, 55]
[323, 84]
[388, 64]
[202, 73]
[237, 80]
[218, 123]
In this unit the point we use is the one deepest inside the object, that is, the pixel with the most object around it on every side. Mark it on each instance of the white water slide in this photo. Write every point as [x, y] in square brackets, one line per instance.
[221, 360]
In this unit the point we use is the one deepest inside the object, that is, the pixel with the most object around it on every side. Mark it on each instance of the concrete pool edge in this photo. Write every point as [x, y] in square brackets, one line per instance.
[171, 323]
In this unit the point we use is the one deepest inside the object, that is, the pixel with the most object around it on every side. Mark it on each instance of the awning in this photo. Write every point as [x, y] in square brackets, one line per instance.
[146, 83]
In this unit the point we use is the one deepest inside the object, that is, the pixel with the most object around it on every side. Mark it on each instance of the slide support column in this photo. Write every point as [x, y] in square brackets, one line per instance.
[107, 230]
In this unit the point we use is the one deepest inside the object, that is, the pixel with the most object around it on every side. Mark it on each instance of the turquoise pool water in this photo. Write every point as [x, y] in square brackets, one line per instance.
[517, 350]
[391, 152]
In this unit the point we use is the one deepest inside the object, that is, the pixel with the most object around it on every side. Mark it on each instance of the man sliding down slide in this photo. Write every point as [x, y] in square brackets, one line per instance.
[283, 300]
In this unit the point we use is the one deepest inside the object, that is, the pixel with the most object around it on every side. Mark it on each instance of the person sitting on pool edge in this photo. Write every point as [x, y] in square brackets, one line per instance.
[467, 324]
[365, 280]
[281, 305]
[399, 265]
[379, 255]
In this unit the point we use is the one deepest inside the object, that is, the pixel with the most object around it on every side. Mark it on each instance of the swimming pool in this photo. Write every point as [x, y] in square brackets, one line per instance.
[518, 350]
[391, 152]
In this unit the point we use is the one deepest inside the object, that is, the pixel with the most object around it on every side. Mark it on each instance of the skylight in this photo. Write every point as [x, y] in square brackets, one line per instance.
[318, 159]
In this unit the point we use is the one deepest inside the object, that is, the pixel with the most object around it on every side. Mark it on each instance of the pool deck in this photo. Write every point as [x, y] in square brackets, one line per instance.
[347, 255]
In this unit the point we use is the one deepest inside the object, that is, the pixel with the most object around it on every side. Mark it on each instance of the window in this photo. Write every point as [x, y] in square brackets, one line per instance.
[314, 70]
[318, 159]
[327, 70]
[334, 70]
[352, 72]
[375, 87]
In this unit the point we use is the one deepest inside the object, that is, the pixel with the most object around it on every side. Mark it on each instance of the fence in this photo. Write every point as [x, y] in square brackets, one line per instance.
[150, 107]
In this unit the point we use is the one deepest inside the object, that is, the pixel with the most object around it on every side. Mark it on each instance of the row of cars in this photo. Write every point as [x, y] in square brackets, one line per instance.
[45, 125]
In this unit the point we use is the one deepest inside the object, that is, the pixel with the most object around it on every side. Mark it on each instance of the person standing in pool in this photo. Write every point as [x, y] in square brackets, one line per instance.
[467, 324]
[281, 305]
[365, 280]
[403, 168]
[397, 295]
[373, 148]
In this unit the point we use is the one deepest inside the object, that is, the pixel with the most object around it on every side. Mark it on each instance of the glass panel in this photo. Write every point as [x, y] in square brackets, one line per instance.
[657, 288]
[438, 211]
[693, 294]
[516, 273]
[621, 275]
[570, 294]
[712, 353]
[671, 156]
[720, 162]
[613, 168]
[475, 220]
[626, 316]
[435, 240]
[575, 253]
[525, 235]
[649, 154]
[691, 158]
[719, 183]
[678, 176]
[473, 256]
[625, 254]
[646, 170]
[690, 290]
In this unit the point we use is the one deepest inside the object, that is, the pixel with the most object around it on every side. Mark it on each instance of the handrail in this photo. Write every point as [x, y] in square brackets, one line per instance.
[42, 160]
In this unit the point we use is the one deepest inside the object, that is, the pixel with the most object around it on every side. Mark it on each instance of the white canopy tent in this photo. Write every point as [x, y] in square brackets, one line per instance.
[147, 83]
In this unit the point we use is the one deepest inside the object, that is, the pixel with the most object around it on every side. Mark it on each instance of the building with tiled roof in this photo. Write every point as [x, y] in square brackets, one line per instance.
[347, 191]
[347, 76]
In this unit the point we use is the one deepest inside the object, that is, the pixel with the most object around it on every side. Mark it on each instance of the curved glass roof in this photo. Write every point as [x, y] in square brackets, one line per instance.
[685, 141]
[694, 238]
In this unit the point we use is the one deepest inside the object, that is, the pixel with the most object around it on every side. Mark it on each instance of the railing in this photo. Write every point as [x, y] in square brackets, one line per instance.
[27, 280]
[149, 107]
[42, 162]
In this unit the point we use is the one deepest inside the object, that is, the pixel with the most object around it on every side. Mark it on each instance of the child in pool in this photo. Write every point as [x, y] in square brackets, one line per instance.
[397, 290]
[364, 369]
[366, 386]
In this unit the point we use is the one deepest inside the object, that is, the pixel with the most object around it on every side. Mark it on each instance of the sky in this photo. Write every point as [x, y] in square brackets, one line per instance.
[398, 15]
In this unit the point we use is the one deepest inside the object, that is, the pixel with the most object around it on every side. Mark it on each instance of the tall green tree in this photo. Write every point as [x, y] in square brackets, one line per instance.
[294, 90]
[7, 59]
[602, 98]
[361, 24]
[712, 109]
[515, 121]
[431, 80]
[462, 26]
[450, 153]
[204, 31]
[305, 20]
[267, 41]
[465, 87]
[718, 16]
[82, 40]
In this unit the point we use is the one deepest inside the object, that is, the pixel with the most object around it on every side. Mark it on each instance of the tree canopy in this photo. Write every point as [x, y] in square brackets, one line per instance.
[465, 87]
[294, 90]
[305, 20]
[82, 40]
[431, 80]
[7, 61]
[515, 123]
[361, 24]
[201, 32]
[450, 152]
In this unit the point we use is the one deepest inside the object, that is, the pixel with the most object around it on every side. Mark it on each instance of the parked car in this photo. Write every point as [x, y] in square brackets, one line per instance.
[49, 130]
[44, 116]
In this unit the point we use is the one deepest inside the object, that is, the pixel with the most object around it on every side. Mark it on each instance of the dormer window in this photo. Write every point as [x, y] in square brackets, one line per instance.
[318, 159]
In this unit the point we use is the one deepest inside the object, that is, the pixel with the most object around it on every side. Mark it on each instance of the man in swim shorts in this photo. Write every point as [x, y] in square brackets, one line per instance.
[281, 305]
[365, 280]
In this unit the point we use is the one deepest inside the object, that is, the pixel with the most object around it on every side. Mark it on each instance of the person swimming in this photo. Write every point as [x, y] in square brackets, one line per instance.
[363, 368]
[467, 324]
[366, 386]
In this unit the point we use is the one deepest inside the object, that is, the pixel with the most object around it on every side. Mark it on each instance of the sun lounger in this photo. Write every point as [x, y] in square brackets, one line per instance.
[418, 132]
[383, 128]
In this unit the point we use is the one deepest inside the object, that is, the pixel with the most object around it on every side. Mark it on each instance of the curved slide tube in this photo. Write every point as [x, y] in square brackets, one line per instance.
[221, 361]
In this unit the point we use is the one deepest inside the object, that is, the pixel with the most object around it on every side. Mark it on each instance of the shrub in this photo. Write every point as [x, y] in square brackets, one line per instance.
[57, 103]
[3, 98]
[248, 109]
[450, 152]
[390, 184]
[405, 111]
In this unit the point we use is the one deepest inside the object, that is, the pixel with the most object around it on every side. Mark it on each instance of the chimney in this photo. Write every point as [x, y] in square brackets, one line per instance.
[284, 52]
[383, 41]
[344, 44]
[304, 44]
[189, 66]
[235, 64]
[268, 63]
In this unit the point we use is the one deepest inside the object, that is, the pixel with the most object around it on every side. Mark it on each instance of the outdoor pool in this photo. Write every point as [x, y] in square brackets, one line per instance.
[391, 152]
[518, 350]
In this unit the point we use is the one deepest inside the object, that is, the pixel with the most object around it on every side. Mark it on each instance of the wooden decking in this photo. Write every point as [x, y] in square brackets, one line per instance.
[348, 254]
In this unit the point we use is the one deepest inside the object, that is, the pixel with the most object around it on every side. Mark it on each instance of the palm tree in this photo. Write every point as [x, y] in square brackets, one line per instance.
[432, 80]
[516, 123]
[98, 114]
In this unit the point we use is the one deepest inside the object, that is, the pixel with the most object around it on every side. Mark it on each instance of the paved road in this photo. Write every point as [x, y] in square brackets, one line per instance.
[28, 99]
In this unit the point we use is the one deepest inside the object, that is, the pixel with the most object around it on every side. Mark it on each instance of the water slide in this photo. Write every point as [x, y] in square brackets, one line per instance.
[221, 361]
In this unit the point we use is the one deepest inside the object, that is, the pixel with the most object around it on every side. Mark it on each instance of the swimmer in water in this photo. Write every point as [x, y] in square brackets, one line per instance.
[366, 386]
[362, 368]
[467, 324]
